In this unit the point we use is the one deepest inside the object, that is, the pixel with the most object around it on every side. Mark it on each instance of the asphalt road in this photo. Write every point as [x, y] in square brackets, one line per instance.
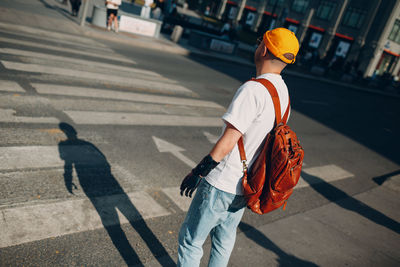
[65, 199]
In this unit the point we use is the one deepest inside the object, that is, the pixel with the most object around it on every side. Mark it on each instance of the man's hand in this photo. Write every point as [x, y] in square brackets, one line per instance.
[70, 186]
[190, 183]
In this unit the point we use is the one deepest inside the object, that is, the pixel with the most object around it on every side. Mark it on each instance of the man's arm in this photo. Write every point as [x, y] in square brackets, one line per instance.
[224, 145]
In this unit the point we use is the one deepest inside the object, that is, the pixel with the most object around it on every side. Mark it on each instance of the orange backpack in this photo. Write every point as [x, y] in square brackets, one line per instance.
[270, 181]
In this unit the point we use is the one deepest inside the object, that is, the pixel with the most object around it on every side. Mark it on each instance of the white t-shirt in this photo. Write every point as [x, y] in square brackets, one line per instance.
[111, 6]
[252, 113]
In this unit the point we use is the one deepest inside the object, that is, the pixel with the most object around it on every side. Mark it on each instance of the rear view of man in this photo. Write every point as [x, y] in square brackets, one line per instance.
[218, 205]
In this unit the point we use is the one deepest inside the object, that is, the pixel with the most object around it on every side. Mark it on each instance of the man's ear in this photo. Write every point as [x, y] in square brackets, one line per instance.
[264, 53]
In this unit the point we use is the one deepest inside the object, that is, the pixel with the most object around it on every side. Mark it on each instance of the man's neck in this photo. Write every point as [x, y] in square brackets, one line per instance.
[267, 68]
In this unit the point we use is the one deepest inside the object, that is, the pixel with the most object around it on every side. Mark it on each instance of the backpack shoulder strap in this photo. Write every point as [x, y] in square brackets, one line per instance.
[277, 106]
[275, 99]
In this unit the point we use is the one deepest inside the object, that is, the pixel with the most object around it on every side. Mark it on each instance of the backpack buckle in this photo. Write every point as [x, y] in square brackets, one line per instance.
[244, 162]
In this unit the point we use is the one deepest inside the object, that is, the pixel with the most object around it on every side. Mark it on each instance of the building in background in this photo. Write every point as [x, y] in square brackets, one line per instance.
[364, 34]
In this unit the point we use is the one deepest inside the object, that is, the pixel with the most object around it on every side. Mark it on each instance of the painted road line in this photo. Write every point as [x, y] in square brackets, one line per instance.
[328, 173]
[92, 47]
[30, 223]
[97, 64]
[118, 95]
[153, 85]
[164, 146]
[51, 34]
[173, 193]
[19, 52]
[210, 137]
[26, 157]
[113, 57]
[120, 118]
[8, 115]
[10, 86]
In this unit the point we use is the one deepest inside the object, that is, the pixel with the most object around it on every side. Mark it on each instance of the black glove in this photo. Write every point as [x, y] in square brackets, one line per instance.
[190, 183]
[192, 180]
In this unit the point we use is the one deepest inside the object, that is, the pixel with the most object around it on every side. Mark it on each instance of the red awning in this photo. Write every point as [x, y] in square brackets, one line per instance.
[292, 20]
[316, 28]
[344, 36]
[250, 8]
[391, 53]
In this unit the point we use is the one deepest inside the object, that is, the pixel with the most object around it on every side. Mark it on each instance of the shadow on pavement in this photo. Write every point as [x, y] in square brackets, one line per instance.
[381, 179]
[284, 259]
[346, 201]
[106, 194]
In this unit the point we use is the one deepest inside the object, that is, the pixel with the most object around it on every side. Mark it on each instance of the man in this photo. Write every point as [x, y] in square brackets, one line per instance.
[112, 13]
[218, 205]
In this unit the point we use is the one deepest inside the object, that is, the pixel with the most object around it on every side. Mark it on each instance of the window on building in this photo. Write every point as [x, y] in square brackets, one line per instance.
[395, 33]
[278, 3]
[300, 5]
[326, 9]
[353, 17]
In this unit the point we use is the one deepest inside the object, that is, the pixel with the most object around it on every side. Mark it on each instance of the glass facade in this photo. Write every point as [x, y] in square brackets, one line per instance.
[325, 10]
[353, 17]
[395, 33]
[300, 6]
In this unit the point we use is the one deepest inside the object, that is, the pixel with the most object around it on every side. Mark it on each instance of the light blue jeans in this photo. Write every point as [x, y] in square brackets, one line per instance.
[213, 212]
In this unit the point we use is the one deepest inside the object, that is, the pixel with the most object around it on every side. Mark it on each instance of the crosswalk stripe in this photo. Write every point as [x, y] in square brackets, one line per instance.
[25, 157]
[107, 55]
[121, 118]
[10, 86]
[106, 66]
[173, 193]
[153, 85]
[327, 173]
[118, 95]
[50, 34]
[30, 223]
[101, 48]
[8, 115]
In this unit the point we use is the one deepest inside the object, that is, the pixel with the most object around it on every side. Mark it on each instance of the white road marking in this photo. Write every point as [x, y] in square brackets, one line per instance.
[107, 66]
[30, 223]
[210, 137]
[118, 95]
[10, 86]
[120, 118]
[134, 82]
[8, 115]
[164, 146]
[182, 202]
[23, 157]
[327, 173]
[101, 47]
[107, 55]
[51, 34]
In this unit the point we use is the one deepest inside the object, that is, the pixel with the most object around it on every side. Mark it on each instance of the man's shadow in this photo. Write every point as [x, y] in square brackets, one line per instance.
[106, 194]
[284, 259]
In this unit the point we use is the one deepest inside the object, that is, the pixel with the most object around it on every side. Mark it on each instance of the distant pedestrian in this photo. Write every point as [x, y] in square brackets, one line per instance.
[75, 5]
[158, 12]
[112, 13]
[218, 205]
[146, 9]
